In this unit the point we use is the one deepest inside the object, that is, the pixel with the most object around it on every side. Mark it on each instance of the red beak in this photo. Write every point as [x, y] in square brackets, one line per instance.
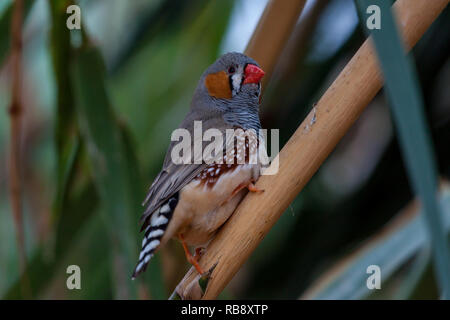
[253, 74]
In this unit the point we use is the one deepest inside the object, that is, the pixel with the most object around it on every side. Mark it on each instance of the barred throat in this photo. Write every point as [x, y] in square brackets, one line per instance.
[154, 227]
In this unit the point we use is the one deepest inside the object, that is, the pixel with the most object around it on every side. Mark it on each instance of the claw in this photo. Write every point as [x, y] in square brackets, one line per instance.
[199, 251]
[251, 187]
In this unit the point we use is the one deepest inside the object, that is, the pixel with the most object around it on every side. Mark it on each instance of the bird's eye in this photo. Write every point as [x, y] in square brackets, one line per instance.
[231, 69]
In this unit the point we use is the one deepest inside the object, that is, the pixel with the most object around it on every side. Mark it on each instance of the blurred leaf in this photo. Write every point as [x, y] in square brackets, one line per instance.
[425, 286]
[65, 182]
[389, 253]
[153, 274]
[65, 134]
[5, 39]
[153, 90]
[110, 166]
[408, 113]
[415, 275]
[156, 22]
[42, 268]
[106, 154]
[94, 261]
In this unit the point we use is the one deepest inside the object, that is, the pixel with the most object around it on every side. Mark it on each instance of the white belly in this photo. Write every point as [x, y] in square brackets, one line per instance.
[202, 209]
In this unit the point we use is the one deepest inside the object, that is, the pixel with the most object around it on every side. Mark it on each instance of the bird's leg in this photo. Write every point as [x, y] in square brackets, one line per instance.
[192, 260]
[252, 188]
[249, 185]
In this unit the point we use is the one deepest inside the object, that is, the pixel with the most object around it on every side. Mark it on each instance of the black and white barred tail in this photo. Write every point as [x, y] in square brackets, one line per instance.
[154, 226]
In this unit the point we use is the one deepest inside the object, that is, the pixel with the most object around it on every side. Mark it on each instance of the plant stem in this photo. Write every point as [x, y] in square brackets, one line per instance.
[15, 113]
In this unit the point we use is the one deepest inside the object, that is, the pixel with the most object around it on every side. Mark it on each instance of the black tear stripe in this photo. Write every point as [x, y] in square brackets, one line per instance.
[154, 226]
[230, 82]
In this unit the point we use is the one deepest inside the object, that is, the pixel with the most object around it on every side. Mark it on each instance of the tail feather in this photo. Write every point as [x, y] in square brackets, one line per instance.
[155, 226]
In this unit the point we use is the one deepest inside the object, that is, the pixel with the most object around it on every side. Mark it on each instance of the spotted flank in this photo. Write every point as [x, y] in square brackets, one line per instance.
[154, 227]
[244, 148]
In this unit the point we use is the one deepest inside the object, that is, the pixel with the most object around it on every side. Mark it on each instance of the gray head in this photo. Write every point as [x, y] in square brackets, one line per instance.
[230, 87]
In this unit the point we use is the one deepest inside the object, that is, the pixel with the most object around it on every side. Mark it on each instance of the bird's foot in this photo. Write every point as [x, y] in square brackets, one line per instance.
[191, 259]
[252, 188]
[249, 185]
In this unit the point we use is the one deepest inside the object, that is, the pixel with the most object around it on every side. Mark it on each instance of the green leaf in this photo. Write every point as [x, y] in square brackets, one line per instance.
[106, 159]
[112, 165]
[157, 22]
[415, 276]
[66, 132]
[42, 267]
[5, 39]
[154, 274]
[156, 104]
[407, 108]
[94, 261]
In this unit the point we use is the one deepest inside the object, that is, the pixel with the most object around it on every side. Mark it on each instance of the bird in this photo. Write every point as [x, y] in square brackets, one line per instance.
[191, 201]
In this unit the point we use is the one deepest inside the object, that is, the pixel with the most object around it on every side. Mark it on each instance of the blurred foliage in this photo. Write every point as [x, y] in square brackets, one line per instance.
[390, 252]
[407, 108]
[101, 105]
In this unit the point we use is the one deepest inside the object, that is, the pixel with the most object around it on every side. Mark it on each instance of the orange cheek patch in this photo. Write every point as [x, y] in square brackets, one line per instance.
[218, 85]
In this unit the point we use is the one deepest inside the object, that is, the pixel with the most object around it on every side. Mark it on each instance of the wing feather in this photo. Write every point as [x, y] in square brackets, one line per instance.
[173, 177]
[169, 181]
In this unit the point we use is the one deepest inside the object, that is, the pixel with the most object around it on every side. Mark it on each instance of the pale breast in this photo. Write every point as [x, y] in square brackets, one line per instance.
[210, 207]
